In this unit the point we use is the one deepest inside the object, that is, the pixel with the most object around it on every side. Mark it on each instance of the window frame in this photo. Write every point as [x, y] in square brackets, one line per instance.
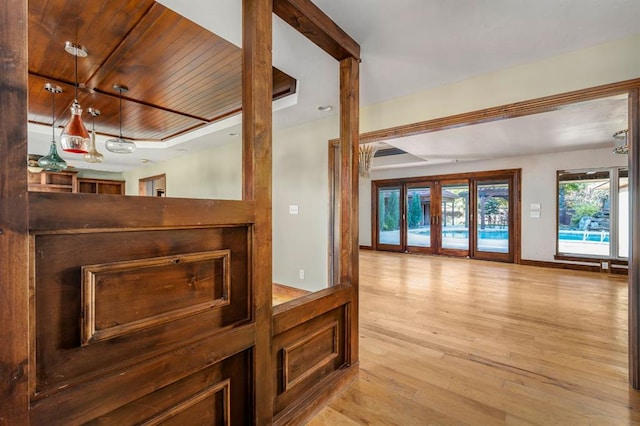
[614, 180]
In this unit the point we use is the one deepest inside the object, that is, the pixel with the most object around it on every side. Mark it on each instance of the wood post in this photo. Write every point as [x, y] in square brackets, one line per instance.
[256, 142]
[349, 228]
[14, 240]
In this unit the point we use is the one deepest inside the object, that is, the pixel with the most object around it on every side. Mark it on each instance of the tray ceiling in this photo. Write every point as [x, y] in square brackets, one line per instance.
[180, 76]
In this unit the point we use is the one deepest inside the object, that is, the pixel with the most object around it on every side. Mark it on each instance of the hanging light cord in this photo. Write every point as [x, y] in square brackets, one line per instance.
[76, 85]
[53, 115]
[120, 90]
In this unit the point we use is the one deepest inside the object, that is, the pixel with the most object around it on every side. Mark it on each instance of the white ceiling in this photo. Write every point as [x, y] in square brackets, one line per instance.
[408, 46]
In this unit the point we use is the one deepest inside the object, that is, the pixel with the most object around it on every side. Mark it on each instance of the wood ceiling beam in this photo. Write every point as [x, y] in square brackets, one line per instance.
[314, 24]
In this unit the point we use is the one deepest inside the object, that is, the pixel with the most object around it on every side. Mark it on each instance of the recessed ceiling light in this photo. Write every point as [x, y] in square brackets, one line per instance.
[145, 161]
[325, 108]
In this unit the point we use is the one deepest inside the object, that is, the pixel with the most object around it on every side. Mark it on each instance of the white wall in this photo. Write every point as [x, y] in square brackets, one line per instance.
[214, 173]
[605, 63]
[300, 177]
[538, 186]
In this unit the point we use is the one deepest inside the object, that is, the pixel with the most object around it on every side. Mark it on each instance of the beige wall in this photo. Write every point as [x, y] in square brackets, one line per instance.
[300, 154]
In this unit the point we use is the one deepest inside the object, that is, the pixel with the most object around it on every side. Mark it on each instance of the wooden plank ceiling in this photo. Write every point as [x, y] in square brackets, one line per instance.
[180, 76]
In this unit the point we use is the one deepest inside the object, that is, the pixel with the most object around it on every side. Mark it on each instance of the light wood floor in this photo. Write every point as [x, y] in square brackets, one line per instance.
[455, 341]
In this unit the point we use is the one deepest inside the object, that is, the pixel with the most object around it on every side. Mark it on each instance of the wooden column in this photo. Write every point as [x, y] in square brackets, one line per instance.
[634, 245]
[256, 142]
[14, 243]
[349, 229]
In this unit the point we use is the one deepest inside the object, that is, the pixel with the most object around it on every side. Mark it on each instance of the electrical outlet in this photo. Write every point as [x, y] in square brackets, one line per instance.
[301, 274]
[605, 265]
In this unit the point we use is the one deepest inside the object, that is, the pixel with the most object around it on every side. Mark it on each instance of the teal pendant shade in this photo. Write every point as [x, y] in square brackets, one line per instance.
[52, 162]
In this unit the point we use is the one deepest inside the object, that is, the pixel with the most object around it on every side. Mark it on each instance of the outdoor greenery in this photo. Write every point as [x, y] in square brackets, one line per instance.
[391, 212]
[415, 211]
[578, 200]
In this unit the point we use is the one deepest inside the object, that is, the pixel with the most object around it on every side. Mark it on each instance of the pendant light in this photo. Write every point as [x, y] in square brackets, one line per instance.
[621, 144]
[52, 162]
[75, 137]
[93, 156]
[120, 145]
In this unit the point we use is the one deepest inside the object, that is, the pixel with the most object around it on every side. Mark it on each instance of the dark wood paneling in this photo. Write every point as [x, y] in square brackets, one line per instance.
[89, 211]
[14, 294]
[162, 290]
[217, 395]
[132, 394]
[310, 21]
[307, 354]
[60, 359]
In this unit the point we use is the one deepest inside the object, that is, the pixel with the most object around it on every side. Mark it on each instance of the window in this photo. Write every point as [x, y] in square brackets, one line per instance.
[593, 220]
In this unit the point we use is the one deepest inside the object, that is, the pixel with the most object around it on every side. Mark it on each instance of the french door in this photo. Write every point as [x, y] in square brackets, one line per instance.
[466, 216]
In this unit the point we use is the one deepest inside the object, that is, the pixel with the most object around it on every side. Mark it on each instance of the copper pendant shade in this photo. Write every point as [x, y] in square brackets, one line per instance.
[75, 137]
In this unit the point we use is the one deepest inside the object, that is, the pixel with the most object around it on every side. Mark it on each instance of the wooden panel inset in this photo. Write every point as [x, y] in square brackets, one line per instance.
[123, 297]
[306, 356]
[60, 358]
[210, 406]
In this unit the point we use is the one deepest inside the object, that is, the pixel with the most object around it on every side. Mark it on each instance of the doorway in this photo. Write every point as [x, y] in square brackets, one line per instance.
[470, 215]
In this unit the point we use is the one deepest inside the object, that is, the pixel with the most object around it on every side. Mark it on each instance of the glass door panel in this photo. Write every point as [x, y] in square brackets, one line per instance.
[623, 213]
[419, 216]
[454, 207]
[492, 217]
[389, 218]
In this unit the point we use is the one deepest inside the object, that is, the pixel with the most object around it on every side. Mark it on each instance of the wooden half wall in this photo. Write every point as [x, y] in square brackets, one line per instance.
[127, 310]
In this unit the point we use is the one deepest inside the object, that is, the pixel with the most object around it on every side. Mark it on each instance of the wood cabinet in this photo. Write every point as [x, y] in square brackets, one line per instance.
[68, 181]
[101, 186]
[53, 181]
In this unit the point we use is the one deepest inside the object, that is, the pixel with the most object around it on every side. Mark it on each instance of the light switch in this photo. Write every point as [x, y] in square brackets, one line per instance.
[535, 214]
[535, 206]
[293, 209]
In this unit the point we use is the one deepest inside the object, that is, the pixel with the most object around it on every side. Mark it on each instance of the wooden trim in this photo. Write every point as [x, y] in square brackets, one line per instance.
[595, 260]
[560, 265]
[314, 24]
[14, 239]
[634, 249]
[517, 109]
[366, 247]
[298, 311]
[222, 386]
[487, 174]
[287, 381]
[91, 276]
[97, 211]
[257, 88]
[289, 291]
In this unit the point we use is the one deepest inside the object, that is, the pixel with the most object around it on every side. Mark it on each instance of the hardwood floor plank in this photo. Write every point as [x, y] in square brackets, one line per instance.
[458, 341]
